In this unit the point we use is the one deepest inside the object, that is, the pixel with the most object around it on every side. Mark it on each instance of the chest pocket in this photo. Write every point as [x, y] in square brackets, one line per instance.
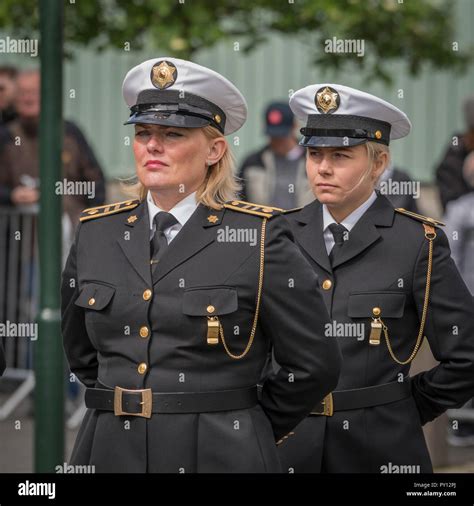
[210, 301]
[95, 296]
[362, 304]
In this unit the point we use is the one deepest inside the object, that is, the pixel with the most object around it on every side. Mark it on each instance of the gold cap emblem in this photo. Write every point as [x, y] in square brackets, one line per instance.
[163, 74]
[327, 100]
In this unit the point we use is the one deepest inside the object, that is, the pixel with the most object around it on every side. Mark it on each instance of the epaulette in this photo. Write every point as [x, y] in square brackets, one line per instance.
[288, 211]
[97, 212]
[420, 217]
[256, 209]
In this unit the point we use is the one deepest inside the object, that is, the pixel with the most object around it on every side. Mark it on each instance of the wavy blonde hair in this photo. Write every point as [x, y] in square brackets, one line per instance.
[219, 186]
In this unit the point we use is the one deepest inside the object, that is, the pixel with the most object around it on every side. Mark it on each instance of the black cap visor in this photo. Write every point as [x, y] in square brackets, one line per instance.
[168, 119]
[329, 142]
[167, 107]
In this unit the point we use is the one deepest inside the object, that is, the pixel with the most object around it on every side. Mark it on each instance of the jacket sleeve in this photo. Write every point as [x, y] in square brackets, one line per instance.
[449, 330]
[81, 354]
[293, 315]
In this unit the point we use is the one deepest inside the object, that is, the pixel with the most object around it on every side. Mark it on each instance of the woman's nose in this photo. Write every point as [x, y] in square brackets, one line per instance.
[324, 166]
[155, 143]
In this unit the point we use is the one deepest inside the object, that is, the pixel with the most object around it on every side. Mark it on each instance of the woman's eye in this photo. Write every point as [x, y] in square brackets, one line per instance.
[141, 133]
[340, 155]
[173, 134]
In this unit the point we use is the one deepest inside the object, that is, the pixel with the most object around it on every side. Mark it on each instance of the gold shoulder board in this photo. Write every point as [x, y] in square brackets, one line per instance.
[420, 217]
[288, 211]
[250, 208]
[97, 212]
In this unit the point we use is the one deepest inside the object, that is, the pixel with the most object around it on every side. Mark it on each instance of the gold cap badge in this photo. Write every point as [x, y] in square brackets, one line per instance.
[163, 74]
[327, 100]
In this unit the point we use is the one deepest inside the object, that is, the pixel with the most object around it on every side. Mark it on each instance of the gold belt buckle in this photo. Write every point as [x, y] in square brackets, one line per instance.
[328, 406]
[146, 402]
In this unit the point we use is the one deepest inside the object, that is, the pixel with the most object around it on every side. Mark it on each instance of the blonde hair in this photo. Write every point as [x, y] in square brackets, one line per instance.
[375, 149]
[219, 186]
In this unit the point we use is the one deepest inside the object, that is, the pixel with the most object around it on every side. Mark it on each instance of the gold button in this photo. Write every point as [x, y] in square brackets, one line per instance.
[327, 284]
[376, 311]
[147, 294]
[91, 301]
[217, 118]
[378, 134]
[142, 368]
[210, 309]
[144, 332]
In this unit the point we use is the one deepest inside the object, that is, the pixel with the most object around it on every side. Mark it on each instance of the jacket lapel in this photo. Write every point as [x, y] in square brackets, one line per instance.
[309, 234]
[135, 240]
[196, 234]
[365, 232]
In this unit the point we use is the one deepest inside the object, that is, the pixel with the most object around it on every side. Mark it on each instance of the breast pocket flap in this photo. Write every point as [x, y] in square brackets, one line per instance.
[212, 301]
[391, 304]
[95, 296]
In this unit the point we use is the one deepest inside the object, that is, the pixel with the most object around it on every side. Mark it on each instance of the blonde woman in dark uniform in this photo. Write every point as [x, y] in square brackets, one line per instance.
[171, 302]
[388, 280]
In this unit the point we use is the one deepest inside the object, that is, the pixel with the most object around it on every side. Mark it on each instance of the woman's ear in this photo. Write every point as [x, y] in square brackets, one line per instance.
[217, 149]
[379, 165]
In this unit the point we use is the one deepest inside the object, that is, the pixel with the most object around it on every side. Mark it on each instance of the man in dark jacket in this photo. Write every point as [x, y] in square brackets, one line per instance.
[449, 176]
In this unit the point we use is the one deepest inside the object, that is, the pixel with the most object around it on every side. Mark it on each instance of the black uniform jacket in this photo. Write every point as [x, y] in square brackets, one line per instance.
[384, 264]
[213, 261]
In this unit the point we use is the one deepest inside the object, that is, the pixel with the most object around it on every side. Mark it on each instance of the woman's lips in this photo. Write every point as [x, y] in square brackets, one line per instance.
[325, 186]
[155, 164]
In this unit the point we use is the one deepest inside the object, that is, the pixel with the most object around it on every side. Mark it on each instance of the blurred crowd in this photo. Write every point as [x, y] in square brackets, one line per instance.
[20, 103]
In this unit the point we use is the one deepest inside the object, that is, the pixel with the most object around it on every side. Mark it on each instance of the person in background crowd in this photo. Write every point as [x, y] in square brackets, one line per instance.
[405, 200]
[275, 175]
[19, 156]
[8, 76]
[451, 183]
[459, 220]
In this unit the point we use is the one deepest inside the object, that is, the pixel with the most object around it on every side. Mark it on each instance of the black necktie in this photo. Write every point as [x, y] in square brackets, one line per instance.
[158, 244]
[338, 231]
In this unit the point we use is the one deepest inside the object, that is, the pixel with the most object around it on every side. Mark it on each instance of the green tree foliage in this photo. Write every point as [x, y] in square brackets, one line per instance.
[420, 32]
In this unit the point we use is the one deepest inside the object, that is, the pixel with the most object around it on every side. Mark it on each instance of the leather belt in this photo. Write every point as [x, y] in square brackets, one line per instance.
[144, 402]
[358, 398]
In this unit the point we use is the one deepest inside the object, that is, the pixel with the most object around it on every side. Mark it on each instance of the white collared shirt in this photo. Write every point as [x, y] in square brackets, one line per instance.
[348, 222]
[182, 211]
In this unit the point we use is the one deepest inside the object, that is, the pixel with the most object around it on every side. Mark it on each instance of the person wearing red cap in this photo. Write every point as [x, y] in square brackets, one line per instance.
[275, 174]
